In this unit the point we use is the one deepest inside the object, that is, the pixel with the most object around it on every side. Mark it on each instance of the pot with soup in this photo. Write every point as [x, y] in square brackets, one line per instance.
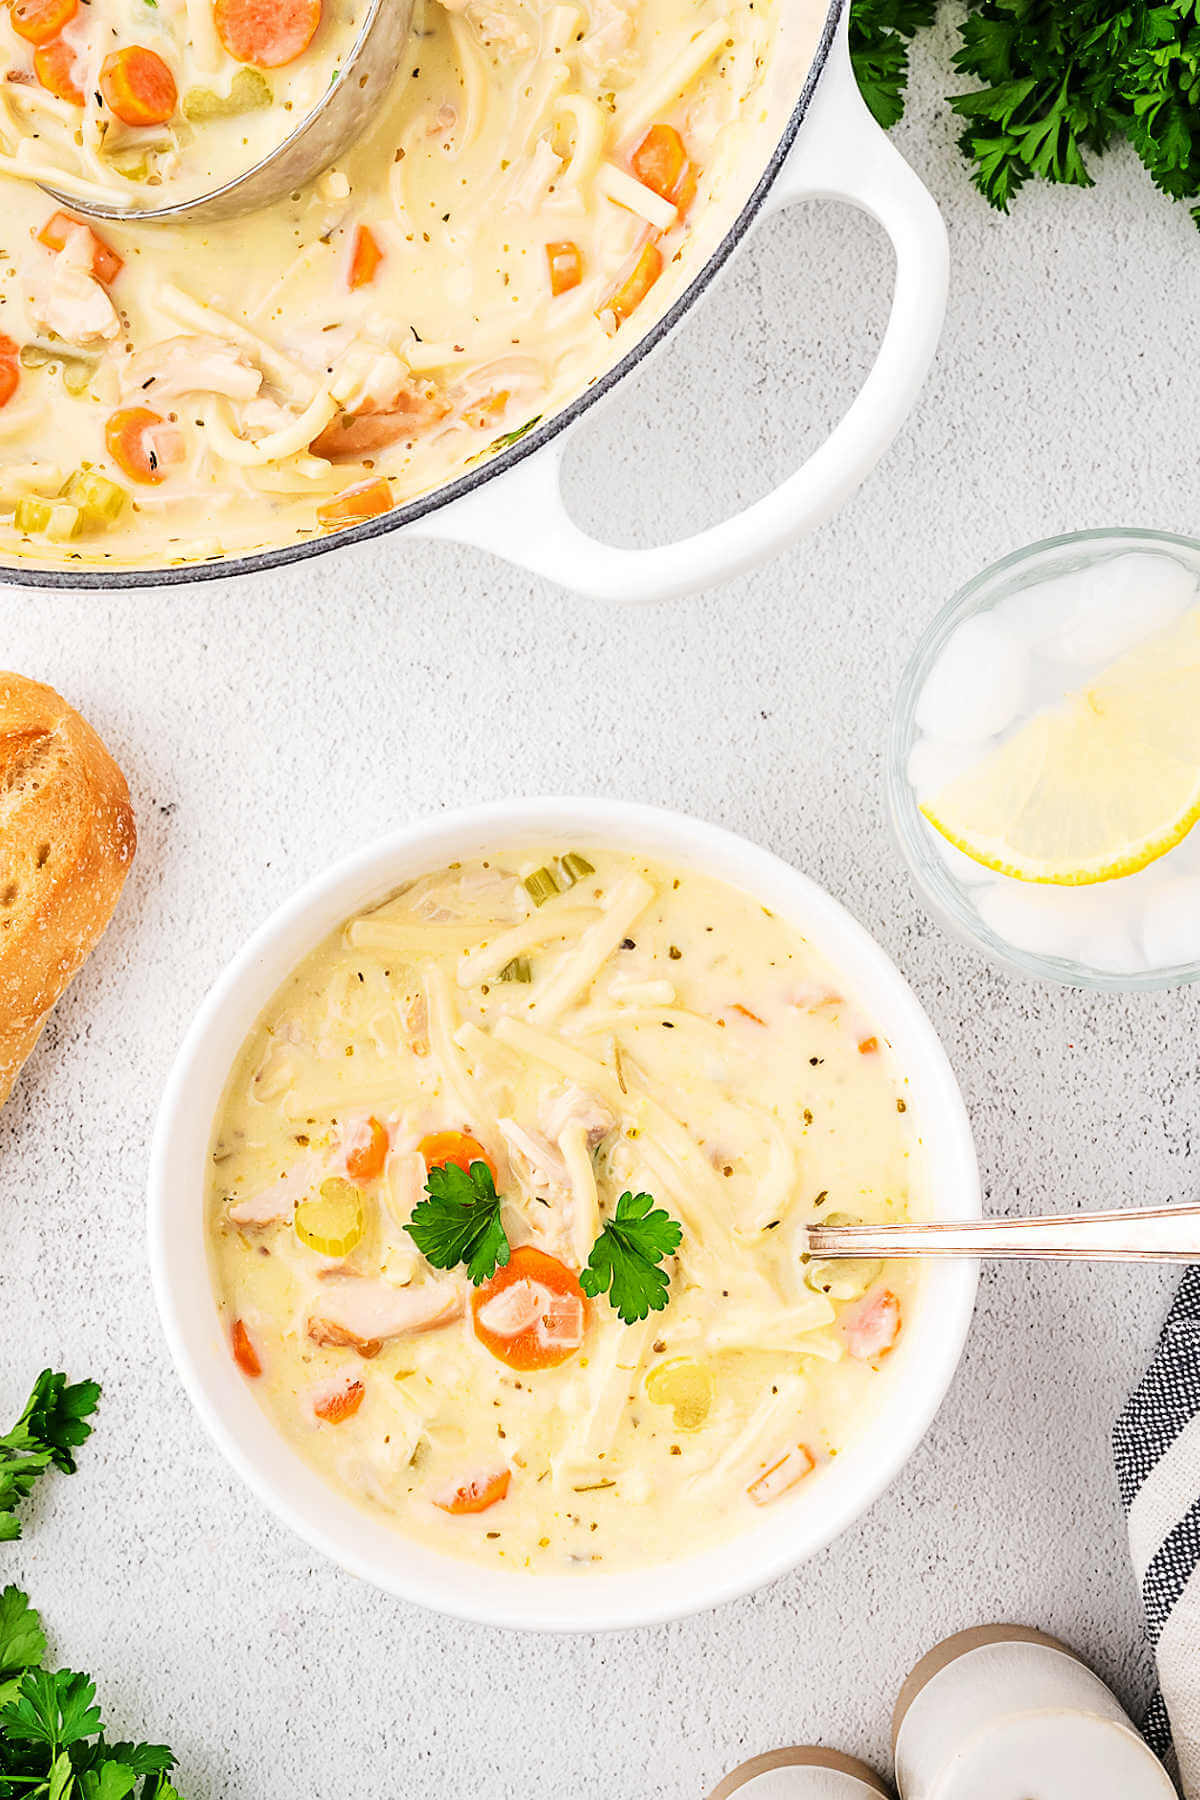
[502, 1206]
[546, 187]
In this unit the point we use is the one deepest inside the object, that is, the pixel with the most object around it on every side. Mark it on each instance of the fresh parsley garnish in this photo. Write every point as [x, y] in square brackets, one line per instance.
[48, 1432]
[52, 1743]
[460, 1221]
[626, 1258]
[1059, 82]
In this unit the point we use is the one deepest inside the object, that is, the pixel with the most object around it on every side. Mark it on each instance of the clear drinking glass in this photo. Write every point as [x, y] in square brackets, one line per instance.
[954, 887]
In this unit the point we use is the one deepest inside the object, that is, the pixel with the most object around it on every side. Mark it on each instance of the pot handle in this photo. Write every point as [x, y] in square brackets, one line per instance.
[840, 153]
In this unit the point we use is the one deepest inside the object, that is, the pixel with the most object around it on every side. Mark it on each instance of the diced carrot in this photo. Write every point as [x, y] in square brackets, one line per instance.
[267, 33]
[747, 1014]
[442, 1147]
[56, 234]
[129, 435]
[365, 257]
[37, 21]
[549, 1311]
[477, 1494]
[54, 66]
[660, 160]
[10, 369]
[872, 1327]
[138, 86]
[637, 284]
[343, 1404]
[868, 1046]
[366, 1150]
[365, 500]
[566, 266]
[685, 193]
[244, 1353]
[782, 1475]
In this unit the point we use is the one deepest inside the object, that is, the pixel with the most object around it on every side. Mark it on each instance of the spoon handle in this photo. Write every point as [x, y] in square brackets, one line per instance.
[1153, 1234]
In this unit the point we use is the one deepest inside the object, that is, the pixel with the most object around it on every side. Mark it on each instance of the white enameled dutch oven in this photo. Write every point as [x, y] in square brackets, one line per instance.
[920, 1370]
[824, 144]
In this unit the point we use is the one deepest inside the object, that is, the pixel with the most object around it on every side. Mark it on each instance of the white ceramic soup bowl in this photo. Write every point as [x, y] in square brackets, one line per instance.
[919, 1371]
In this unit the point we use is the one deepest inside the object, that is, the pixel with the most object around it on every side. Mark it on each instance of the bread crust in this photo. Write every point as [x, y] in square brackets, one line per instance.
[67, 838]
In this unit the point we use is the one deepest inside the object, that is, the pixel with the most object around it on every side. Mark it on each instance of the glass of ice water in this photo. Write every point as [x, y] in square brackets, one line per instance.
[1027, 635]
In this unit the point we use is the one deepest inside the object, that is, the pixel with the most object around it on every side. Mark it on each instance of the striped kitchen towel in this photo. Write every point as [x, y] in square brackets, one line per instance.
[1156, 1443]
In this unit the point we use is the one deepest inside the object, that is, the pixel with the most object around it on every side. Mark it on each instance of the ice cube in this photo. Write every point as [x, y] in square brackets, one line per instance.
[932, 762]
[1127, 600]
[1041, 918]
[1171, 923]
[1112, 952]
[978, 684]
[963, 869]
[1039, 613]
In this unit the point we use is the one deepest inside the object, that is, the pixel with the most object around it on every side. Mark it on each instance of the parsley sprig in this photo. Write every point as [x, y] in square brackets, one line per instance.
[1059, 81]
[52, 1742]
[48, 1432]
[626, 1259]
[460, 1221]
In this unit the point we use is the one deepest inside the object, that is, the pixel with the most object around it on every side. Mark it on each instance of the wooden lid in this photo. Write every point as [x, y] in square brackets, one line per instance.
[804, 1756]
[951, 1648]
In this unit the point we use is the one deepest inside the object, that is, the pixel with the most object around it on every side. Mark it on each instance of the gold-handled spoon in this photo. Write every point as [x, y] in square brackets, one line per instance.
[1151, 1234]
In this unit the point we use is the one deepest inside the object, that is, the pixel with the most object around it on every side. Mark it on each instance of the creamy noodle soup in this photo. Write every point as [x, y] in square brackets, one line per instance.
[562, 1030]
[536, 180]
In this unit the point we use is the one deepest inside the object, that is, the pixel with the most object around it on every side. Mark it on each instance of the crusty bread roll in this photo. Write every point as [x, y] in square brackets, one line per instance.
[67, 838]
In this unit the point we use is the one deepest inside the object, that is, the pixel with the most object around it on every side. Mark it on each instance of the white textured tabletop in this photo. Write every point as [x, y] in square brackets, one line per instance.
[268, 727]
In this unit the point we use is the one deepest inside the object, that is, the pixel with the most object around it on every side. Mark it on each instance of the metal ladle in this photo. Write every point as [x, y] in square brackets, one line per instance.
[1151, 1234]
[338, 118]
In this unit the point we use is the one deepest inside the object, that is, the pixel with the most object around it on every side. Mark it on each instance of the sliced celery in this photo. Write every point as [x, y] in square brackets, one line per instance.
[576, 866]
[248, 92]
[100, 500]
[541, 886]
[54, 519]
[517, 970]
[333, 1223]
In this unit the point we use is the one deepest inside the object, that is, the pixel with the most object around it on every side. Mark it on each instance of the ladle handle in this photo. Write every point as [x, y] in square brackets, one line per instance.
[1153, 1234]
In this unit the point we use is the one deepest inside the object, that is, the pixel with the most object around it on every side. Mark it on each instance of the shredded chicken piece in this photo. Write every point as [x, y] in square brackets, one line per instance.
[72, 303]
[507, 28]
[605, 54]
[576, 1105]
[276, 1204]
[192, 363]
[360, 1312]
[540, 1161]
[530, 181]
[411, 410]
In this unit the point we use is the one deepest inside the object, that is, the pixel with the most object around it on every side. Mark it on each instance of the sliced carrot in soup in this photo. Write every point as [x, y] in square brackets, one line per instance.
[10, 369]
[442, 1147]
[57, 232]
[365, 500]
[365, 257]
[340, 1405]
[477, 1494]
[532, 1314]
[54, 66]
[366, 1150]
[244, 1353]
[566, 266]
[267, 33]
[660, 160]
[138, 86]
[129, 435]
[872, 1327]
[37, 21]
[782, 1475]
[628, 296]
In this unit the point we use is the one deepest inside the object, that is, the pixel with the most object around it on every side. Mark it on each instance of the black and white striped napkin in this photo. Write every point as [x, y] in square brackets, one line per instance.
[1156, 1443]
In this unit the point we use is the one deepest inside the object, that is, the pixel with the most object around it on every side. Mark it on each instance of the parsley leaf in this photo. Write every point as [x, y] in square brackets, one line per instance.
[1059, 81]
[52, 1426]
[22, 1640]
[626, 1257]
[460, 1221]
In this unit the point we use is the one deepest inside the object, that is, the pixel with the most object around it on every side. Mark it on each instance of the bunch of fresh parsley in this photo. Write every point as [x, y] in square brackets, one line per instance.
[460, 1223]
[1059, 81]
[52, 1743]
[48, 1432]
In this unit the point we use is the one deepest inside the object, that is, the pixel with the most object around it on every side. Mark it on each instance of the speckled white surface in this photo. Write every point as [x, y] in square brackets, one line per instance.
[267, 728]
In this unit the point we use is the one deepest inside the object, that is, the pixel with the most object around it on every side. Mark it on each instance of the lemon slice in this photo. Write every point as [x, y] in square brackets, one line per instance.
[1096, 787]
